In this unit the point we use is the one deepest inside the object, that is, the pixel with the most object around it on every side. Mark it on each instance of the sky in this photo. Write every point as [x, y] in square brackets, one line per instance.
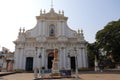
[89, 15]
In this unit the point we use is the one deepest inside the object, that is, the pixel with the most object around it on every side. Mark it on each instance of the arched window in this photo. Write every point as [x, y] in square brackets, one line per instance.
[52, 30]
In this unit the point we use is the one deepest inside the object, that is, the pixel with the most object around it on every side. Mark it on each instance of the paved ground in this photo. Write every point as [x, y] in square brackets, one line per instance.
[88, 75]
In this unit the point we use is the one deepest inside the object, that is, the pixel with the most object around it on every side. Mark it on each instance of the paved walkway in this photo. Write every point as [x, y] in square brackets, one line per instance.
[88, 75]
[5, 73]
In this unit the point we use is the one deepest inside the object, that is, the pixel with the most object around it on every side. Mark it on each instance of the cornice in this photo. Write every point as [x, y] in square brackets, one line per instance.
[51, 18]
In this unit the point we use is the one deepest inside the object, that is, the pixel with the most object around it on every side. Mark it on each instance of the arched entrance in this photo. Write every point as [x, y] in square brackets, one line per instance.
[29, 64]
[50, 59]
[72, 60]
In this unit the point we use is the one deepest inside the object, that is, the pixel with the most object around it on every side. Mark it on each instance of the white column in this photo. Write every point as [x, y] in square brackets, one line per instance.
[82, 63]
[60, 58]
[37, 58]
[46, 61]
[4, 64]
[84, 58]
[24, 62]
[43, 57]
[64, 58]
[59, 29]
[40, 59]
[63, 28]
[34, 60]
[39, 27]
[68, 60]
[69, 66]
[42, 54]
[79, 58]
[20, 59]
[35, 65]
[46, 58]
[43, 28]
[16, 57]
[46, 29]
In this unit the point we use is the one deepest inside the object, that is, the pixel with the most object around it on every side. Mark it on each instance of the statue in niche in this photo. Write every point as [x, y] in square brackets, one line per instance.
[52, 30]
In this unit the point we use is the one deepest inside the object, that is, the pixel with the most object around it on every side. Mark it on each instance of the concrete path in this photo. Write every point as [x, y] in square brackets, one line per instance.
[88, 75]
[5, 73]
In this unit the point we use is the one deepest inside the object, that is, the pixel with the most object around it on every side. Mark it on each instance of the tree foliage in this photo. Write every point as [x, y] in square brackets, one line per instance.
[92, 51]
[109, 39]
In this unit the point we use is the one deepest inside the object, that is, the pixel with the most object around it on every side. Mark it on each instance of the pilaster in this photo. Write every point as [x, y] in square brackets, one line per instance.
[79, 58]
[64, 58]
[43, 57]
[61, 58]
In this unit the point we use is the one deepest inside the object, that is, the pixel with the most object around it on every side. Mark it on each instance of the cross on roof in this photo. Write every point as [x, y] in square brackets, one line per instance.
[51, 3]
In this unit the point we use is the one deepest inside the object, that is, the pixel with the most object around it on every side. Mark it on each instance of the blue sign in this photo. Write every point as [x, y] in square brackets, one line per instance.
[46, 71]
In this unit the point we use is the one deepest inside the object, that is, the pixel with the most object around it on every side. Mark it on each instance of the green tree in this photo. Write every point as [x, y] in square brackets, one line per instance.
[92, 51]
[109, 39]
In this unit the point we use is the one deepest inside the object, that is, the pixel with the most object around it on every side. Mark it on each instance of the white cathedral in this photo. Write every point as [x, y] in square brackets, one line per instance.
[36, 46]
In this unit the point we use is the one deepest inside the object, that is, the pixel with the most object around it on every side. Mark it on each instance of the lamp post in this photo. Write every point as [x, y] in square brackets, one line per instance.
[35, 69]
[76, 62]
[39, 56]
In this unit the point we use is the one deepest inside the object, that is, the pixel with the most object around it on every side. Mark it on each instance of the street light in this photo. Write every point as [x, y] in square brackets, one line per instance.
[39, 56]
[76, 62]
[35, 70]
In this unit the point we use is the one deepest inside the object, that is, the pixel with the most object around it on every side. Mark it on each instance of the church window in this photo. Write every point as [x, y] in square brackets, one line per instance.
[52, 30]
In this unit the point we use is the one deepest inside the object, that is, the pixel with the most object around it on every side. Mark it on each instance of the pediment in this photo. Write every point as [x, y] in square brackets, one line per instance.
[52, 15]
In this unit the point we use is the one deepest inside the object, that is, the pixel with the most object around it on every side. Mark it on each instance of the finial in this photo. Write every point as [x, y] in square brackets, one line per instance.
[59, 12]
[81, 31]
[44, 11]
[20, 30]
[62, 12]
[23, 29]
[41, 11]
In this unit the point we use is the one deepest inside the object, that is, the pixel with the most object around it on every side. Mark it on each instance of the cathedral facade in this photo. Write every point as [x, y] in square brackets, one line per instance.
[37, 45]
